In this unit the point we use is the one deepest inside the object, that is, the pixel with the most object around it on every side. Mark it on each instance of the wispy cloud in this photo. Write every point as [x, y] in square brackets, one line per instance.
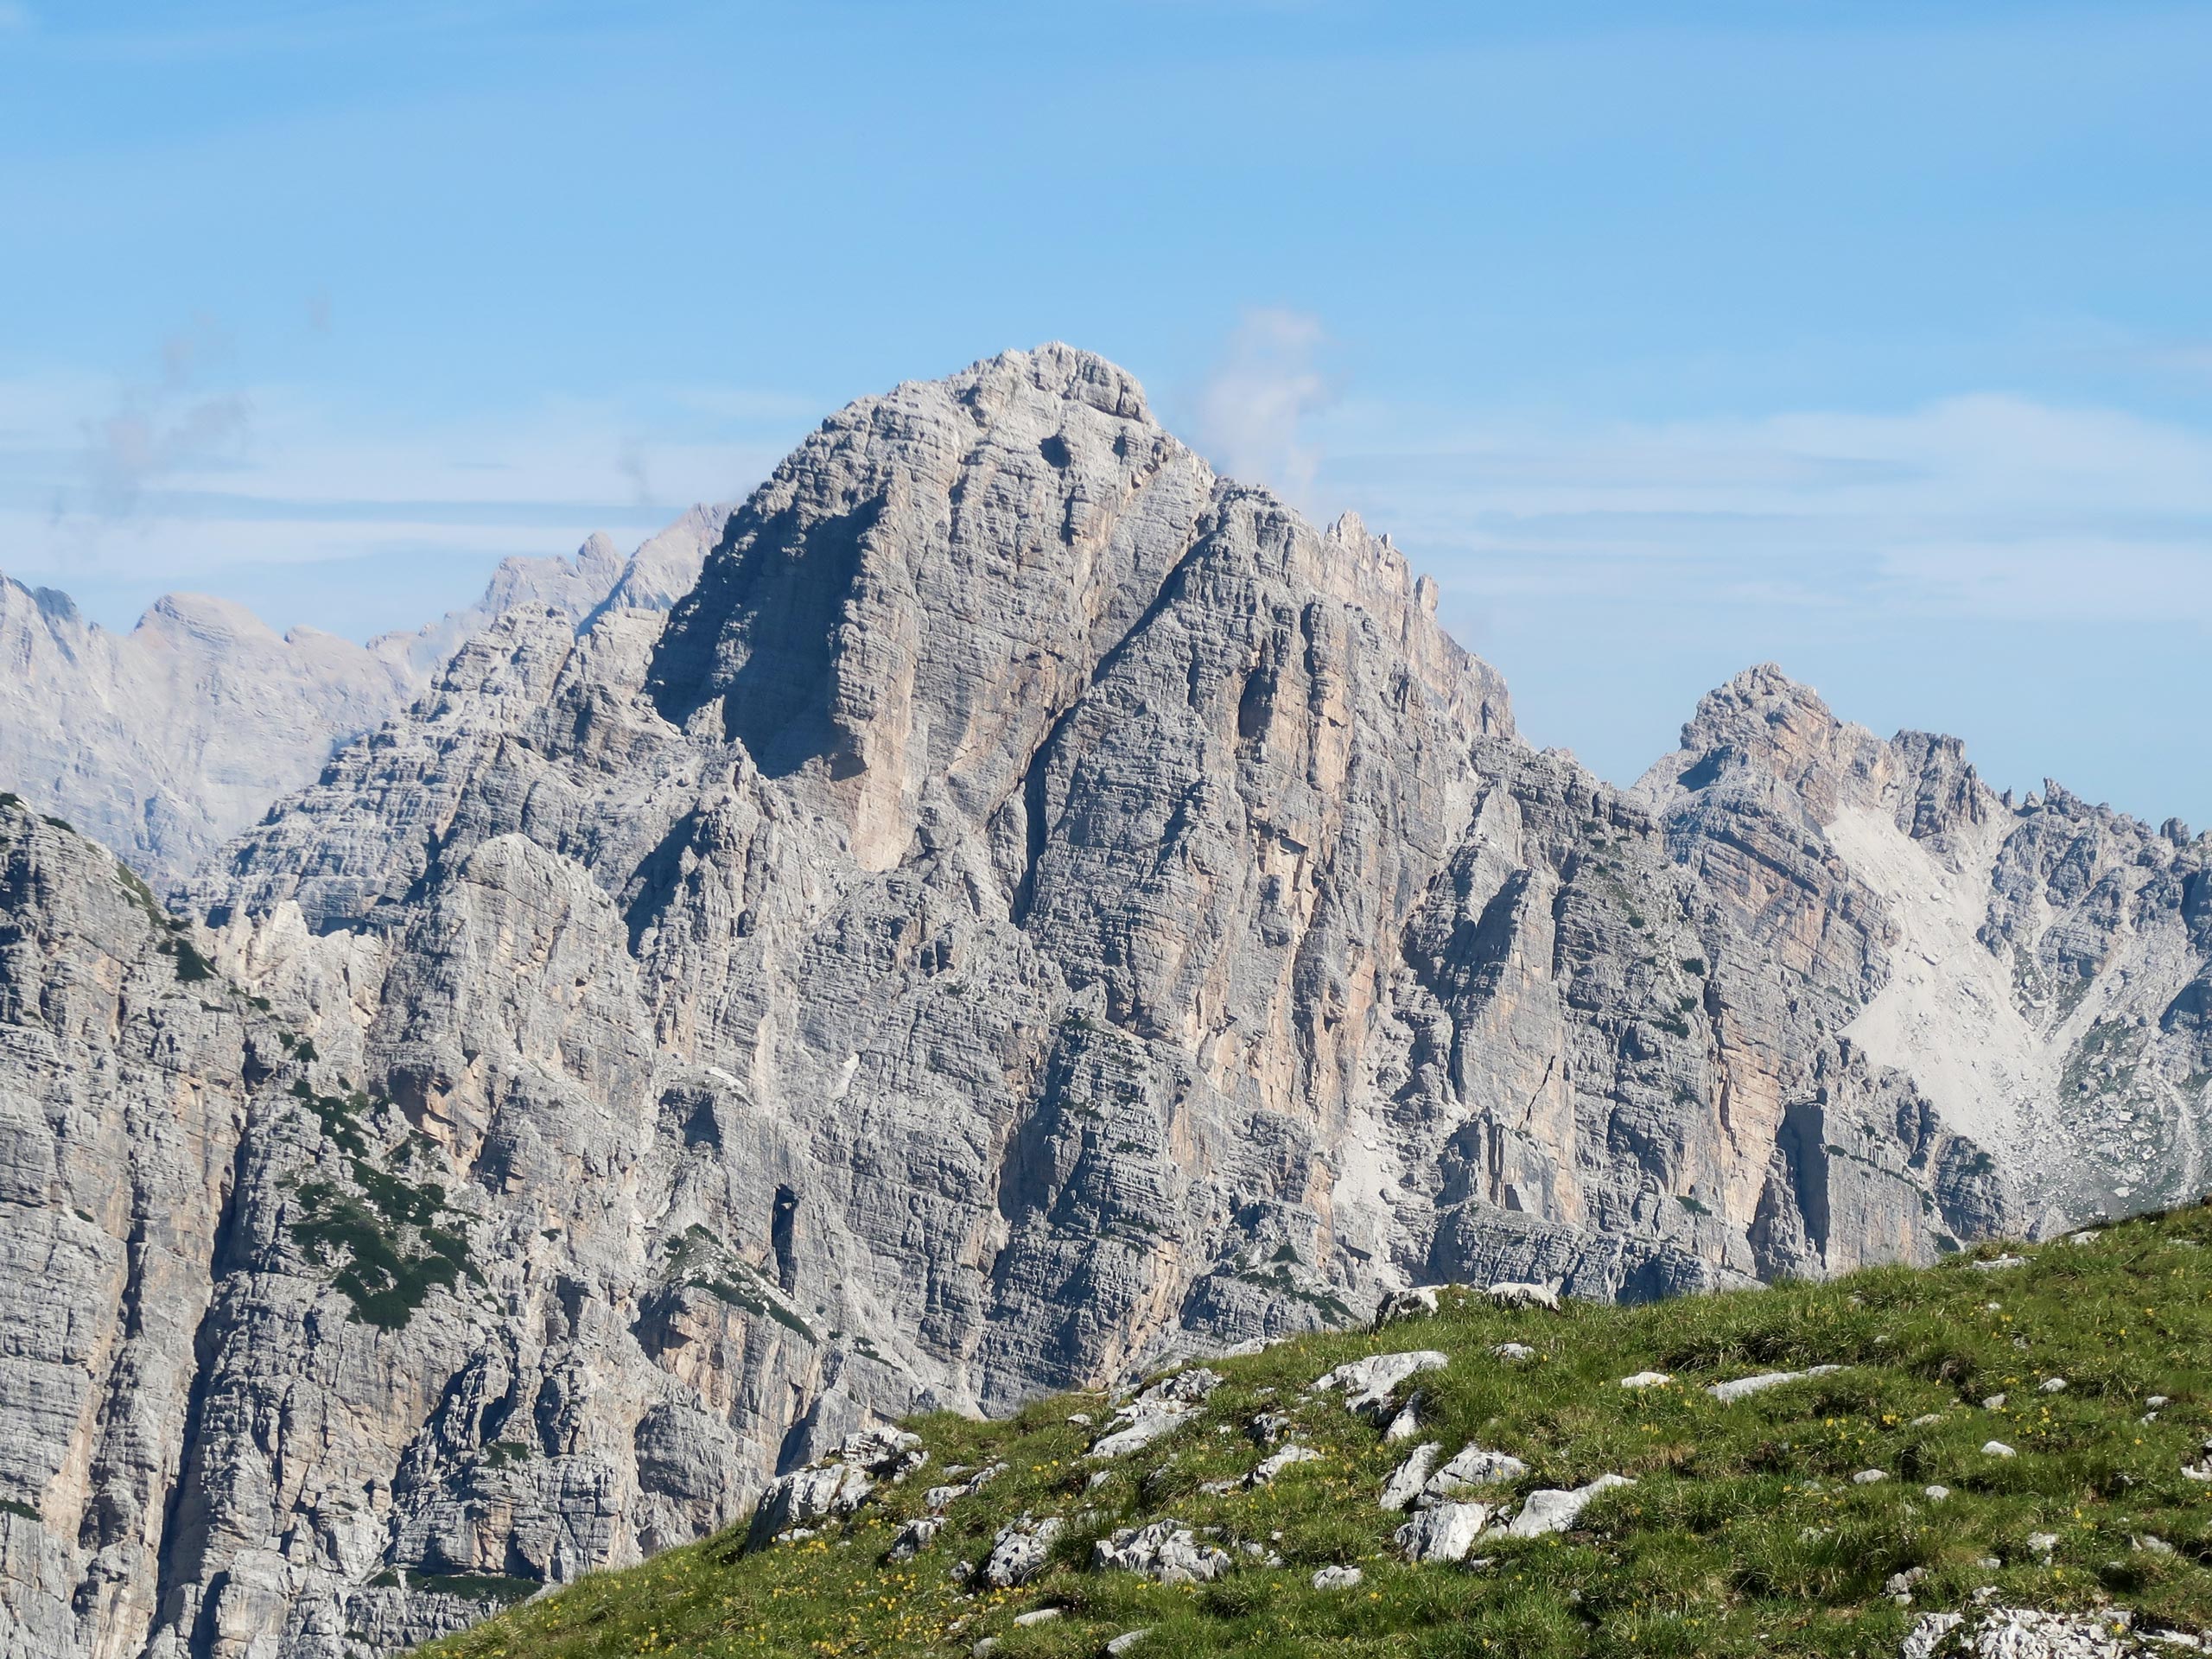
[1989, 505]
[183, 479]
[160, 427]
[1251, 415]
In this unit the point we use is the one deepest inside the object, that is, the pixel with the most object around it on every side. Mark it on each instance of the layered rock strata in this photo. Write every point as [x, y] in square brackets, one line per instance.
[1034, 907]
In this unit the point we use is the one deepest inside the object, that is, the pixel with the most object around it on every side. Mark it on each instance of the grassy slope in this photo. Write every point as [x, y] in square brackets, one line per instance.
[1744, 1534]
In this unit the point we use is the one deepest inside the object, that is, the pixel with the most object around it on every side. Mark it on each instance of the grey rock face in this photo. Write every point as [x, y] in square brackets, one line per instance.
[167, 740]
[594, 579]
[2035, 970]
[1033, 909]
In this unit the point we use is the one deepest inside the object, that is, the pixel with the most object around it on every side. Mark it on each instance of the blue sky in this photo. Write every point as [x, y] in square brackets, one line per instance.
[1871, 338]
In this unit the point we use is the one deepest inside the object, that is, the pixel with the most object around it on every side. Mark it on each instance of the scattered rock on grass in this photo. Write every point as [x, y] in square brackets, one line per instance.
[941, 1497]
[886, 1454]
[1368, 1383]
[2029, 1633]
[1408, 1479]
[1020, 1552]
[1743, 1387]
[1555, 1510]
[1410, 1304]
[1157, 1413]
[1271, 1466]
[1166, 1550]
[806, 1496]
[1407, 1423]
[1510, 1293]
[1337, 1578]
[914, 1537]
[1925, 1635]
[1474, 1466]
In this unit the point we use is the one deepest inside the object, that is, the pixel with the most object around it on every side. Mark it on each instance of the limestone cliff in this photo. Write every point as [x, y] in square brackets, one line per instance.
[1032, 906]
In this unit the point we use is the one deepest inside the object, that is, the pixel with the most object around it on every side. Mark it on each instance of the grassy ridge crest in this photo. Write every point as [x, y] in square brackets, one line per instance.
[1746, 1531]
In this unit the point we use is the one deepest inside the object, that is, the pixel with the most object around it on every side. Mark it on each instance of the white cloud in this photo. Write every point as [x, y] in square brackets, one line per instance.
[1251, 413]
[1988, 504]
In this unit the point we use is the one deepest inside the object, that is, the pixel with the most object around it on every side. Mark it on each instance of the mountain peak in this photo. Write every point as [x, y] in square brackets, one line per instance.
[1066, 372]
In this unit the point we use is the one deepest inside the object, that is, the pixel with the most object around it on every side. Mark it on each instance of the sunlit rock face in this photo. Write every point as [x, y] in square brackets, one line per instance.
[1032, 908]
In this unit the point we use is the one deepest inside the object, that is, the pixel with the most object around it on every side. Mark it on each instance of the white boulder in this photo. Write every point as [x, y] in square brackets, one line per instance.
[1166, 1550]
[1270, 1466]
[1526, 1293]
[1020, 1551]
[1743, 1387]
[1444, 1533]
[1367, 1384]
[1407, 1480]
[1555, 1510]
[1475, 1466]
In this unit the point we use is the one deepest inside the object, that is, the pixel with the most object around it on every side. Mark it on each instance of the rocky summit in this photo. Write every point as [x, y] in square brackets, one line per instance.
[1033, 909]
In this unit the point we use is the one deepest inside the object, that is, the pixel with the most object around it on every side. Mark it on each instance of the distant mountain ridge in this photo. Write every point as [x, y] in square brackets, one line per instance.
[1033, 907]
[166, 741]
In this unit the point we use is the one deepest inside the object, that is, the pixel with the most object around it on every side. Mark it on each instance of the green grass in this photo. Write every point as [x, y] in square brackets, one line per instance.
[1745, 1534]
[698, 1257]
[380, 1238]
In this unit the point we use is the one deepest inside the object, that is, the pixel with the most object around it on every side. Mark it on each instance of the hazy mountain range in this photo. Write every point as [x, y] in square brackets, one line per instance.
[167, 740]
